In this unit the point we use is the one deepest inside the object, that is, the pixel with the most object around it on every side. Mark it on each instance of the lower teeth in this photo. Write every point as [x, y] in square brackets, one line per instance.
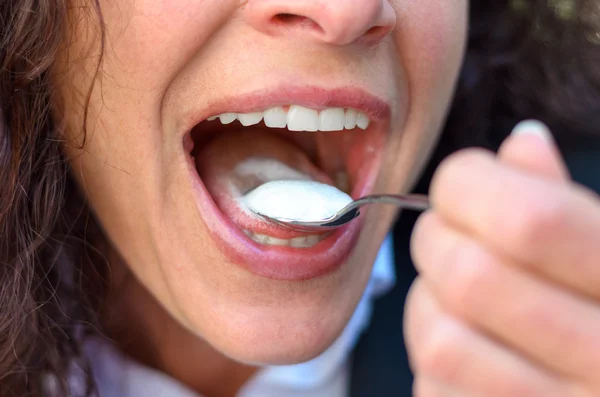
[296, 242]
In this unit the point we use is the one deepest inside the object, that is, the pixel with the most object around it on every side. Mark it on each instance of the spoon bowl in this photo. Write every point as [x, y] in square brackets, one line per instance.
[351, 211]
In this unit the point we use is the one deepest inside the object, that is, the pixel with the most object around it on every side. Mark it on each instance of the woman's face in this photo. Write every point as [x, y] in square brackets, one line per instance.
[166, 185]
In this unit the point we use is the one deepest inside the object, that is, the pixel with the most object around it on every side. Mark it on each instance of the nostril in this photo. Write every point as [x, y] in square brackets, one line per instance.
[375, 33]
[325, 21]
[296, 21]
[287, 18]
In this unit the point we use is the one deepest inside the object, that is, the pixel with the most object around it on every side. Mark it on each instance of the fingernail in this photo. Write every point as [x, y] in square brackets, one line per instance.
[533, 127]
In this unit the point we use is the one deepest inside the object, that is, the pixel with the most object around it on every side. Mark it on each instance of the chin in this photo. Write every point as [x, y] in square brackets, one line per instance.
[282, 336]
[264, 321]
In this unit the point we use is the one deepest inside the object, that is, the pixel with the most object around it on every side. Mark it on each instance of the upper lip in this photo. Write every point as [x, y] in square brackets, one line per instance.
[309, 96]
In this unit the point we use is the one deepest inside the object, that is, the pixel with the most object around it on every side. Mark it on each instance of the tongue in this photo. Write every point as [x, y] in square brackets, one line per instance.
[236, 162]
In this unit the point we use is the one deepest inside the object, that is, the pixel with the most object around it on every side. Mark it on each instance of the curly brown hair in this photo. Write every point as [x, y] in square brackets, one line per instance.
[525, 58]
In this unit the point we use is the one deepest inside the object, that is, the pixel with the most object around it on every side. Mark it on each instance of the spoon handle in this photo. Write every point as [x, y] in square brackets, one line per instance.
[415, 202]
[350, 211]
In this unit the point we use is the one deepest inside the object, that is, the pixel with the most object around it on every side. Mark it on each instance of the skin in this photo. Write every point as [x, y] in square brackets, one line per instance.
[507, 301]
[176, 302]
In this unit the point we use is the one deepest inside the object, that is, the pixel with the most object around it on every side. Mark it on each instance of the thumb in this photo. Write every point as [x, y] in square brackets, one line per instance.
[531, 148]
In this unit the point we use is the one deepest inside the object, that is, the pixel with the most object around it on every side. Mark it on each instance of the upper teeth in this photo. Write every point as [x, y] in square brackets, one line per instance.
[300, 118]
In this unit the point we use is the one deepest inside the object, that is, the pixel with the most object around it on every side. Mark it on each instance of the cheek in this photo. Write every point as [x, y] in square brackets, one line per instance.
[431, 40]
[140, 32]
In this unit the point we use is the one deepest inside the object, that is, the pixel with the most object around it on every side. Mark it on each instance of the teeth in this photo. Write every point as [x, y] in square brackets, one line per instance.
[250, 118]
[350, 121]
[227, 118]
[300, 118]
[276, 241]
[275, 118]
[362, 121]
[332, 119]
[296, 242]
[313, 239]
[260, 238]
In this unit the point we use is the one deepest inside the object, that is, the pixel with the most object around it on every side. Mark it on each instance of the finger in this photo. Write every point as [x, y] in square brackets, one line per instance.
[453, 354]
[548, 228]
[531, 148]
[424, 387]
[547, 324]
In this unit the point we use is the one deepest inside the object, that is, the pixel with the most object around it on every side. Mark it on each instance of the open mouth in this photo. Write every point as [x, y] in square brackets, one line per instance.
[338, 141]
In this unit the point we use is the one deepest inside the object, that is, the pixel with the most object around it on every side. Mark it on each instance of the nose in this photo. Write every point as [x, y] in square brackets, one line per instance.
[338, 22]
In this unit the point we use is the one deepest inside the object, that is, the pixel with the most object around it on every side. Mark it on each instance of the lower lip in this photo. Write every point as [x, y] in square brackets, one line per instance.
[278, 262]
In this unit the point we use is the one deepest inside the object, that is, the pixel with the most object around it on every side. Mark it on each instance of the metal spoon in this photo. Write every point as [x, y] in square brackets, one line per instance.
[349, 212]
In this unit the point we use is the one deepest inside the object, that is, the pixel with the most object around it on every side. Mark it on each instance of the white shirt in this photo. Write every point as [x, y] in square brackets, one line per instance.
[324, 376]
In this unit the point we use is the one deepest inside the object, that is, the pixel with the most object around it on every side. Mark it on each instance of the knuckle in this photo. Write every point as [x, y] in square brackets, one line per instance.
[574, 389]
[539, 219]
[542, 315]
[440, 358]
[455, 167]
[420, 238]
[564, 340]
[515, 387]
[472, 270]
[424, 387]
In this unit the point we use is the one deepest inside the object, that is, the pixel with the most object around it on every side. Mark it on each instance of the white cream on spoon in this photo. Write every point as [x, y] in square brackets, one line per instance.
[296, 200]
